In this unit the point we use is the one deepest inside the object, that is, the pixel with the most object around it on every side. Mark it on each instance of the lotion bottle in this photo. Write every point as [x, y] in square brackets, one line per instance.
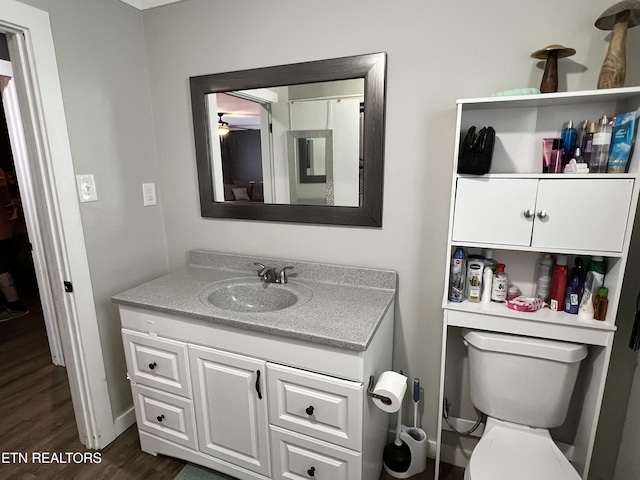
[558, 283]
[543, 282]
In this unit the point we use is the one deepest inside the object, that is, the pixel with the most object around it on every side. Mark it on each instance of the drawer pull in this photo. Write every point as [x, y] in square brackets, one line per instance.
[160, 417]
[528, 214]
[152, 366]
[312, 472]
[309, 410]
[542, 214]
[258, 384]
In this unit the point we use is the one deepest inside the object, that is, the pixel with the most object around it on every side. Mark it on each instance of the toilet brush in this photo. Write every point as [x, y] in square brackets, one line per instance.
[397, 455]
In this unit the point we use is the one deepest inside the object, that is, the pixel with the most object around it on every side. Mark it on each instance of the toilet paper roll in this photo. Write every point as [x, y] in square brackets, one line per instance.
[391, 386]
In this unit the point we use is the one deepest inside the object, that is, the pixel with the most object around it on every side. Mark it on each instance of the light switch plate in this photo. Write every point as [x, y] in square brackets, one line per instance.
[149, 194]
[86, 188]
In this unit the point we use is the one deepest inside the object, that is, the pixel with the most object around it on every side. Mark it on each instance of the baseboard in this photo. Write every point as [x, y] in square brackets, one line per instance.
[124, 421]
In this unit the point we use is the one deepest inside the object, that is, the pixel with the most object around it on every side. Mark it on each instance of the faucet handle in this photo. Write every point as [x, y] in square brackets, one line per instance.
[283, 273]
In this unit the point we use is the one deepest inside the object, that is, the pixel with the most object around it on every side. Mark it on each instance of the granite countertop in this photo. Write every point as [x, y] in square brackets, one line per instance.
[344, 311]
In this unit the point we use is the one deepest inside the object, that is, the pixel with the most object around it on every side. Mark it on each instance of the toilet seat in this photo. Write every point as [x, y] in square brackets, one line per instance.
[505, 453]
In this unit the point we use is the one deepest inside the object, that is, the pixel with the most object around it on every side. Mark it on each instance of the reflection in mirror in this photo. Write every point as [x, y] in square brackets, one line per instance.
[311, 169]
[271, 139]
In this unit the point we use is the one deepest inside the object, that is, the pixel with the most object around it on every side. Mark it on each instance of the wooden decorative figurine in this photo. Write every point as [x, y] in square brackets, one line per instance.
[551, 54]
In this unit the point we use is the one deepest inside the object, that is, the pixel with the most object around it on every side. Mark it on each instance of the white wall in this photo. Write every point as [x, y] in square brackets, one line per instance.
[436, 53]
[105, 87]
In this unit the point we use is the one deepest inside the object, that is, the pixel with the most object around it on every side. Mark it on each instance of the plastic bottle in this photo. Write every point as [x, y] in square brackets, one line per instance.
[600, 147]
[592, 282]
[556, 156]
[457, 275]
[569, 137]
[574, 287]
[487, 282]
[489, 260]
[543, 282]
[499, 287]
[600, 304]
[586, 147]
[558, 283]
[475, 266]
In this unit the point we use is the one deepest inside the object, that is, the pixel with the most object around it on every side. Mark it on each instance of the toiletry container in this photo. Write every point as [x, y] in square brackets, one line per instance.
[600, 147]
[487, 283]
[586, 146]
[543, 282]
[600, 304]
[569, 137]
[524, 386]
[475, 267]
[556, 156]
[500, 284]
[558, 283]
[592, 282]
[457, 275]
[574, 288]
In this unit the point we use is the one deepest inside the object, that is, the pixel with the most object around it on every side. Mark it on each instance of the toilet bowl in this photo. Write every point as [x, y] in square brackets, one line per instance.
[524, 386]
[509, 451]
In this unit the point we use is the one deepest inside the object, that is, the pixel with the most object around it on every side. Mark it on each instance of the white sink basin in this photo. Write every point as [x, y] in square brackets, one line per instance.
[252, 295]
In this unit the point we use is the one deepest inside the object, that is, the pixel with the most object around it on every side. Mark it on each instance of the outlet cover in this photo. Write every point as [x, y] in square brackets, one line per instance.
[149, 194]
[86, 188]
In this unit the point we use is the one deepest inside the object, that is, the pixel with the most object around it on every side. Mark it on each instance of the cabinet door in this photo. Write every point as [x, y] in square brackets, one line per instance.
[493, 210]
[231, 408]
[582, 214]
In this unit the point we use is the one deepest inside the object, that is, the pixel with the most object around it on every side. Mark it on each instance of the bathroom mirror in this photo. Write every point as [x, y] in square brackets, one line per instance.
[261, 136]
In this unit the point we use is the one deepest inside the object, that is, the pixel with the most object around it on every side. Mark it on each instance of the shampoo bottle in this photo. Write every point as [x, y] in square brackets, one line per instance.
[558, 283]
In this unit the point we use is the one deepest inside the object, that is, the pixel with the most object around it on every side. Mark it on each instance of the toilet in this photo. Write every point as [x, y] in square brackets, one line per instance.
[524, 386]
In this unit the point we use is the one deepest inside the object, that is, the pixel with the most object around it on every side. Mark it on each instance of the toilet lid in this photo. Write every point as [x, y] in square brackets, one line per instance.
[505, 454]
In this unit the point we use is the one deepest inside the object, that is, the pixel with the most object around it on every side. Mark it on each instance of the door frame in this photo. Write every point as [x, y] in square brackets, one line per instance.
[52, 183]
[29, 207]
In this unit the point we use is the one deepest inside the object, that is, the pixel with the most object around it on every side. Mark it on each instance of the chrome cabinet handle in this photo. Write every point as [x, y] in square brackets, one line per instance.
[542, 214]
[528, 214]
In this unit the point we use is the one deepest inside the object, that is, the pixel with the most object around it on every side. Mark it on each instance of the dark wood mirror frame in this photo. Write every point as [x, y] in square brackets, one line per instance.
[371, 67]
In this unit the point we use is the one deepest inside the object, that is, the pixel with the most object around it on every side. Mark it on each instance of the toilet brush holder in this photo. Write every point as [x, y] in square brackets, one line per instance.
[416, 440]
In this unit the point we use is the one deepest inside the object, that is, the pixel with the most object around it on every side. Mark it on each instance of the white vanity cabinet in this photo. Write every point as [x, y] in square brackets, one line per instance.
[520, 213]
[252, 405]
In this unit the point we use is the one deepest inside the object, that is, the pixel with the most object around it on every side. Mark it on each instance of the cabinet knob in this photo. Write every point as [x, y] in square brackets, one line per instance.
[152, 365]
[160, 417]
[309, 410]
[528, 214]
[542, 214]
[312, 472]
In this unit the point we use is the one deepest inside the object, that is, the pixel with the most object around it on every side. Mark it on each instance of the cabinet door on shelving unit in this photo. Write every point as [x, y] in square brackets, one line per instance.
[582, 214]
[231, 408]
[494, 210]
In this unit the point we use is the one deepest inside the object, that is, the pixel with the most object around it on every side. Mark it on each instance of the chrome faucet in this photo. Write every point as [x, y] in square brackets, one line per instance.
[269, 274]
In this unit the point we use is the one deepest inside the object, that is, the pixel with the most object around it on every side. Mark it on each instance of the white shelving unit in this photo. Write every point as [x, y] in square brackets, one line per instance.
[575, 215]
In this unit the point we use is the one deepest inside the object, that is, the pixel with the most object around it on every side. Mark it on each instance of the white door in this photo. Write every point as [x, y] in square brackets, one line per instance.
[582, 214]
[231, 407]
[497, 210]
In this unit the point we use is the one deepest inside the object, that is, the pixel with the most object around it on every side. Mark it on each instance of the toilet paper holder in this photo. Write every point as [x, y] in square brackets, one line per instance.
[382, 398]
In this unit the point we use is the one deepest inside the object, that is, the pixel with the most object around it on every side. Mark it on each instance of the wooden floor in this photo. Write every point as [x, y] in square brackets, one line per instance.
[38, 420]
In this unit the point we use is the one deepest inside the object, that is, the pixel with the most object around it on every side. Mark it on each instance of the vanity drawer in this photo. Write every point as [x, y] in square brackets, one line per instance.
[297, 456]
[157, 362]
[317, 405]
[165, 415]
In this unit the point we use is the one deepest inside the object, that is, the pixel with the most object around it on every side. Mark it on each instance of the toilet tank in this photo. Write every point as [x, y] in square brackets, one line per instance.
[523, 380]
